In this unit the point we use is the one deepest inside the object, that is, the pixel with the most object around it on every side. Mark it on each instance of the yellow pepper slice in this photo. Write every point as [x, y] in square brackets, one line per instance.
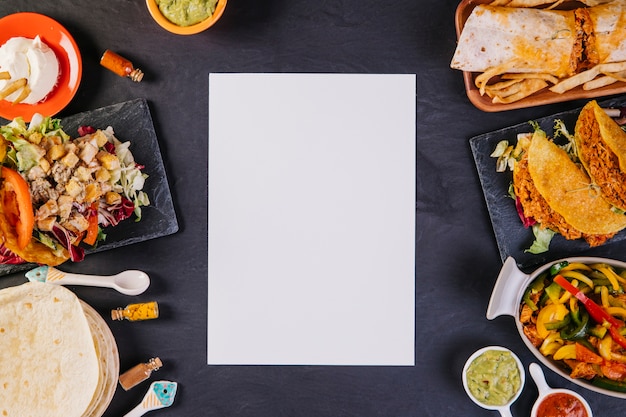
[550, 313]
[604, 347]
[565, 352]
[604, 296]
[579, 276]
[551, 344]
[617, 311]
[611, 276]
[576, 266]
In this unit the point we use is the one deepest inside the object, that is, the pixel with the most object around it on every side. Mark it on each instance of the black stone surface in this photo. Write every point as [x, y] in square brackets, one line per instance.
[512, 237]
[131, 121]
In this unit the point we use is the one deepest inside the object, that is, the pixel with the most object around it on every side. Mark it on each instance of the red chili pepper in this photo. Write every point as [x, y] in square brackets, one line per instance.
[595, 311]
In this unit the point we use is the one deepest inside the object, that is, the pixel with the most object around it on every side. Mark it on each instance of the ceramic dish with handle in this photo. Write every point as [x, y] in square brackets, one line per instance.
[507, 296]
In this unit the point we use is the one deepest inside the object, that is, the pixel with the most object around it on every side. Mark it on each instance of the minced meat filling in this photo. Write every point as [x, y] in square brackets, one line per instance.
[602, 163]
[536, 207]
[584, 52]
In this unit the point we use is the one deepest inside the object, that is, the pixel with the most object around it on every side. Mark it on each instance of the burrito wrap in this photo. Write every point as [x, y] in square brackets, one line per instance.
[523, 39]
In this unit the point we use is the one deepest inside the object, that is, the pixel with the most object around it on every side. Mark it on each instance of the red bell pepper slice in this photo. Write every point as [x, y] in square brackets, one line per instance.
[595, 311]
[92, 229]
[18, 206]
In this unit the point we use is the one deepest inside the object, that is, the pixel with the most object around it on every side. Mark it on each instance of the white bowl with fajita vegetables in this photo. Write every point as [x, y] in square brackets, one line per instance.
[570, 314]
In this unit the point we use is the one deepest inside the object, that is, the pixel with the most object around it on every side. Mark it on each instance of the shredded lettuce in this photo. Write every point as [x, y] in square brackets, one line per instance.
[561, 130]
[535, 126]
[45, 126]
[129, 177]
[542, 240]
[500, 148]
[27, 155]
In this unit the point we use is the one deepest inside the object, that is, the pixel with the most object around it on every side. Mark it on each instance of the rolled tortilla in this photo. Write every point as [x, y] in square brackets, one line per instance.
[520, 40]
[609, 26]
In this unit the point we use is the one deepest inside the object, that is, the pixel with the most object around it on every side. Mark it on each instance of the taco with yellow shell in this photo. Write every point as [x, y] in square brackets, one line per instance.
[601, 148]
[556, 193]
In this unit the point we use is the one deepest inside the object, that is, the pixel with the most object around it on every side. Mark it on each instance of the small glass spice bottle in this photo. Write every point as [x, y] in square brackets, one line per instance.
[121, 66]
[139, 373]
[136, 312]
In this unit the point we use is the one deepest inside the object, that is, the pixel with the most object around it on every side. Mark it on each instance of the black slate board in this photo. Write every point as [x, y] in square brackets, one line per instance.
[131, 121]
[511, 236]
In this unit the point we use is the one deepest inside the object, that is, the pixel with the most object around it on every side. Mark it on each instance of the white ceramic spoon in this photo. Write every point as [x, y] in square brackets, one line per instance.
[160, 395]
[131, 282]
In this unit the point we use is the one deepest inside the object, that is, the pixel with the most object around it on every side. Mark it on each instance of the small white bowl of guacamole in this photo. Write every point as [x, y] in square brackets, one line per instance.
[493, 377]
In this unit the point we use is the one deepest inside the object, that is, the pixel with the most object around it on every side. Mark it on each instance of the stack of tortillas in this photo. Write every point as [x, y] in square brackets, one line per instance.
[57, 356]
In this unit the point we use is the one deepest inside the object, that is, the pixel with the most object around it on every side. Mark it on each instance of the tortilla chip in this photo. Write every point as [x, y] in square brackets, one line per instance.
[525, 89]
[575, 80]
[567, 189]
[599, 82]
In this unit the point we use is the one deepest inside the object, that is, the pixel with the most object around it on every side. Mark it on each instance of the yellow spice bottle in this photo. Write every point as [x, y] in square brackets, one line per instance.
[136, 312]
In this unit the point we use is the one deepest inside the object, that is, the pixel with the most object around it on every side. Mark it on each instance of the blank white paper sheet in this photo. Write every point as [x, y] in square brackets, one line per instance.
[311, 223]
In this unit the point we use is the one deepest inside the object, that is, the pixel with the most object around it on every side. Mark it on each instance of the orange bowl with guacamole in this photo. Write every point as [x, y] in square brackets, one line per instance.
[186, 17]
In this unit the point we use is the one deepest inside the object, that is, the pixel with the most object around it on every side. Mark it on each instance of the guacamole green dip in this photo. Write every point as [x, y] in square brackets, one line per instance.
[186, 12]
[493, 378]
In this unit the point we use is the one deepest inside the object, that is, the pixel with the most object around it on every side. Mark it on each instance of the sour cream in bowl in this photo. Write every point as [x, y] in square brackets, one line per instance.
[31, 60]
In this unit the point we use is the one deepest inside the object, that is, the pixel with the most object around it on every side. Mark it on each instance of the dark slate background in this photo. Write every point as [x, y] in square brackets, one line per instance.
[457, 258]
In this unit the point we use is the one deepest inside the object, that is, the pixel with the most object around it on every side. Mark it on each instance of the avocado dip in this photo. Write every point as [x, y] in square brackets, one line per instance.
[493, 378]
[186, 12]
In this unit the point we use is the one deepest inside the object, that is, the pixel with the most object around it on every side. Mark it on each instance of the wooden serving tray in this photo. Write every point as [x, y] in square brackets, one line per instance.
[545, 96]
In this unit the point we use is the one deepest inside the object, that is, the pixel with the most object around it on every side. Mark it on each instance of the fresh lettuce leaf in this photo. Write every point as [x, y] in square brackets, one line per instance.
[542, 240]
